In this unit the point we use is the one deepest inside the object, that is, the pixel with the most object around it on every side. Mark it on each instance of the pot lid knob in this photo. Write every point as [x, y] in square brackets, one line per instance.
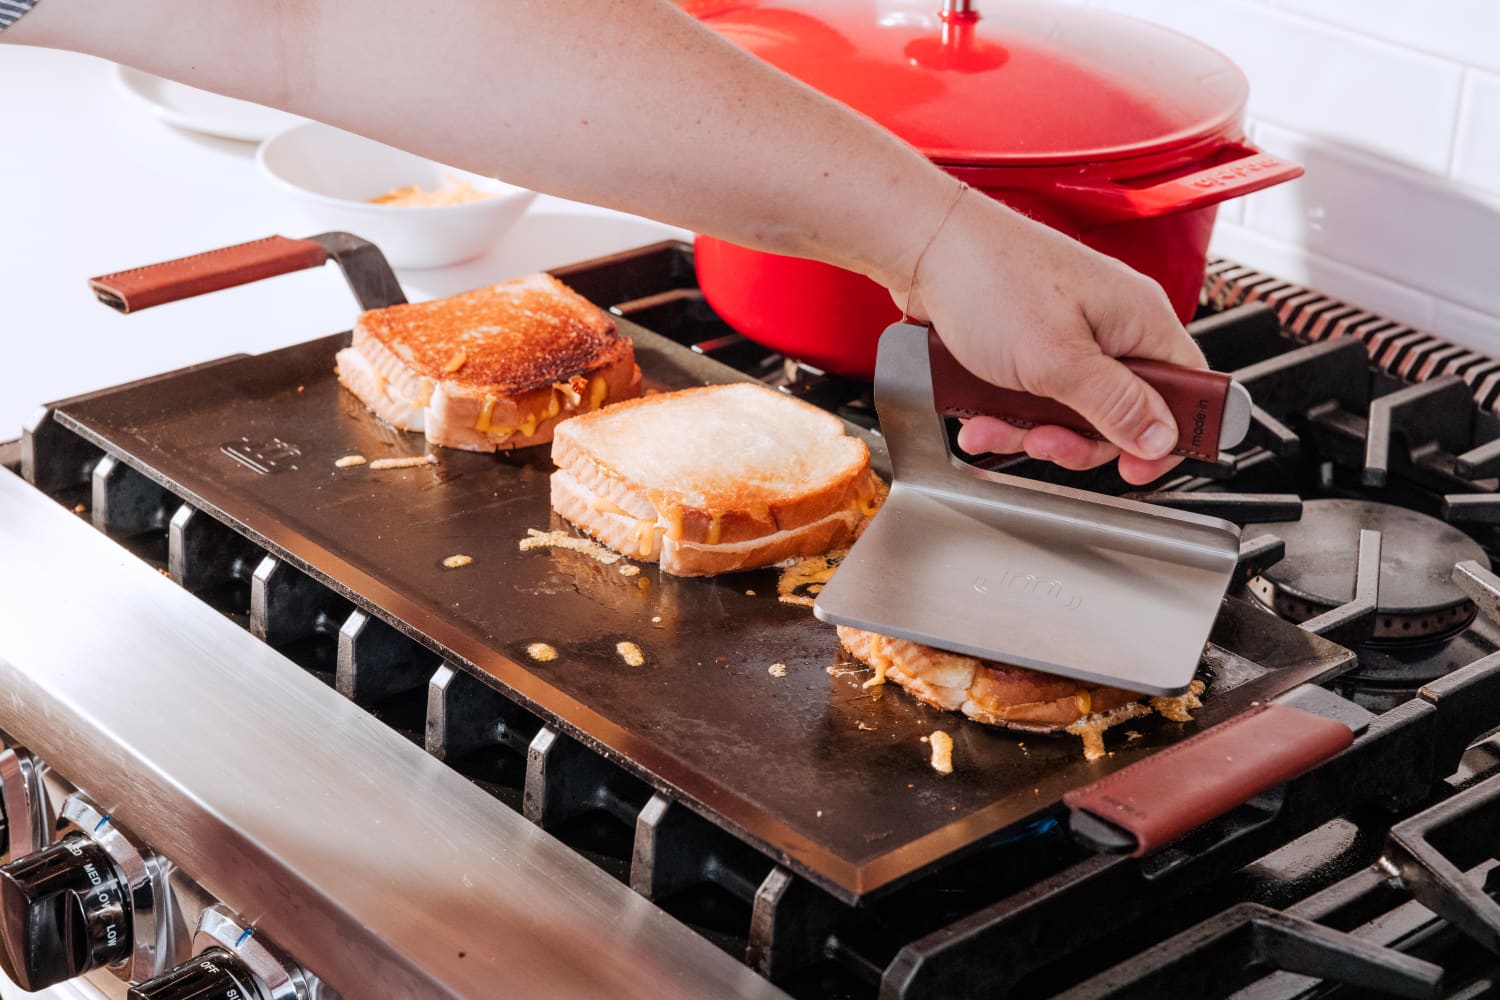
[957, 46]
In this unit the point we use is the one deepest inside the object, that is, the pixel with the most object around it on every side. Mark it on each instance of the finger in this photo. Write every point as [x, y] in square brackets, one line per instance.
[1117, 403]
[1138, 321]
[1140, 471]
[989, 435]
[1068, 449]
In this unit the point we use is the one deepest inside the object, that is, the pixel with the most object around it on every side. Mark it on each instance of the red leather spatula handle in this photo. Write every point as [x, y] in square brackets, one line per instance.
[144, 287]
[1197, 398]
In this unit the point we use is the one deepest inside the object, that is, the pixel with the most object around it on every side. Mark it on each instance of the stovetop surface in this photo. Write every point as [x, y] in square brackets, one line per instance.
[1334, 878]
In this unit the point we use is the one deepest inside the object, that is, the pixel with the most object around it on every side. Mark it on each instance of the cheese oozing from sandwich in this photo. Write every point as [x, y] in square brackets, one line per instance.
[496, 368]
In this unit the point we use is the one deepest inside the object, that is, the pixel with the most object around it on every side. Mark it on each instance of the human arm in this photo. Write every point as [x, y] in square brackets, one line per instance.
[633, 105]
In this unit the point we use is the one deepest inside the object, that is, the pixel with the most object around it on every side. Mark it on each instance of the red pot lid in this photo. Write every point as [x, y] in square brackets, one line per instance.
[1010, 82]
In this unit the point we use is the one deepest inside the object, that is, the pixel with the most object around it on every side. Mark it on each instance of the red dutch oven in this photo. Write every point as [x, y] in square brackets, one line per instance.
[1120, 133]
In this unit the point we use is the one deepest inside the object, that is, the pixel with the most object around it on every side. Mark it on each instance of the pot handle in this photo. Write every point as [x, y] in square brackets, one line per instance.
[1147, 198]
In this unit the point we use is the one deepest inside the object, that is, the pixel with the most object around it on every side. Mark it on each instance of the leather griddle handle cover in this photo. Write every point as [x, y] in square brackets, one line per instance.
[144, 287]
[1176, 790]
[1196, 398]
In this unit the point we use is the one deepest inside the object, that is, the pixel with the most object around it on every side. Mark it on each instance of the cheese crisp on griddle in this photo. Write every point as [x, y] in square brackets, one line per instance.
[492, 369]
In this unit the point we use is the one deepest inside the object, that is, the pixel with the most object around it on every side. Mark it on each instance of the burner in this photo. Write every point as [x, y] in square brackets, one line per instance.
[1418, 599]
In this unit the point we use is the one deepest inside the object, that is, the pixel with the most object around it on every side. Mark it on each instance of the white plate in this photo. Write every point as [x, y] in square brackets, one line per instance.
[201, 111]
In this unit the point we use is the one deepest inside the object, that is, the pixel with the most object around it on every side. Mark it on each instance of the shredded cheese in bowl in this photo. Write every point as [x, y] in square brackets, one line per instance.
[459, 191]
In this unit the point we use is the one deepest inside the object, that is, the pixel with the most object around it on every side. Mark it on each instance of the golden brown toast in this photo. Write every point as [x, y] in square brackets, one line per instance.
[496, 368]
[714, 479]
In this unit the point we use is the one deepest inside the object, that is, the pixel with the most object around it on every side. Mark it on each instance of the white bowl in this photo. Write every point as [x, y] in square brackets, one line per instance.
[331, 175]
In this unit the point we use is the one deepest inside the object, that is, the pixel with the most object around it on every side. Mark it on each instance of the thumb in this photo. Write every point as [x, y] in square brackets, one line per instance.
[1121, 406]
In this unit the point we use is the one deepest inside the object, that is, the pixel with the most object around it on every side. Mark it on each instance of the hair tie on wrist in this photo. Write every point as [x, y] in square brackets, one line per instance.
[906, 308]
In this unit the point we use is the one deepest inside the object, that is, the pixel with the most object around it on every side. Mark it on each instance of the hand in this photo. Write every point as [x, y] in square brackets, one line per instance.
[1026, 307]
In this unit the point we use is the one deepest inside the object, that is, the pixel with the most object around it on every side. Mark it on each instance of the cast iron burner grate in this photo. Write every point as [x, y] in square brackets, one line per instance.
[1291, 887]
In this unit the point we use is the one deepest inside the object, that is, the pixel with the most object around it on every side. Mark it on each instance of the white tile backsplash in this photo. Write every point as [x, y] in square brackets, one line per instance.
[1478, 330]
[1465, 31]
[1297, 264]
[1420, 231]
[1393, 106]
[1360, 91]
[1476, 153]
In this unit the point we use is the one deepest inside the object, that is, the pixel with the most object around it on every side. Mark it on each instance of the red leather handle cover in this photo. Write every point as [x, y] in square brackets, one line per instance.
[143, 287]
[1196, 398]
[1184, 786]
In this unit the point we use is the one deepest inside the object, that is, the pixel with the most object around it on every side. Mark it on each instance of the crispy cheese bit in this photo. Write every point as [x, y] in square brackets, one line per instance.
[560, 539]
[1091, 728]
[79, 509]
[350, 461]
[1180, 707]
[865, 727]
[572, 390]
[804, 574]
[777, 670]
[403, 463]
[457, 562]
[629, 569]
[942, 752]
[541, 652]
[878, 660]
[459, 359]
[630, 653]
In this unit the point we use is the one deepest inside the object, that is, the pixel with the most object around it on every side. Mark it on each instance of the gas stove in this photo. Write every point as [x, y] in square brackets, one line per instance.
[290, 755]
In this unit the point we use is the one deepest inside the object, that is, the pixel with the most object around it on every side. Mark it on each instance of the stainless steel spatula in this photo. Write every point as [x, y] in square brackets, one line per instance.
[1061, 580]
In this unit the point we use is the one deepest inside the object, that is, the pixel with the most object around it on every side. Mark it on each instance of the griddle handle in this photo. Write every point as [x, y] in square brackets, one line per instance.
[143, 287]
[364, 266]
[1173, 792]
[1211, 410]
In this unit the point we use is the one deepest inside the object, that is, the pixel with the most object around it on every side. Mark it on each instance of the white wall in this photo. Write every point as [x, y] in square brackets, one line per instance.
[1393, 106]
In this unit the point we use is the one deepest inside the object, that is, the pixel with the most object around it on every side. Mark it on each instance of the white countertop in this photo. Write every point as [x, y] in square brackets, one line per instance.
[93, 182]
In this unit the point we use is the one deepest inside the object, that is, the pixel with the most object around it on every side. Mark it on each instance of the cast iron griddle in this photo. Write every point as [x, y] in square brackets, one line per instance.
[823, 775]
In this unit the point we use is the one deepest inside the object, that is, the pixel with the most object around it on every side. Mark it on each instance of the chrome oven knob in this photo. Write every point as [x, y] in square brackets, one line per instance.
[64, 911]
[216, 974]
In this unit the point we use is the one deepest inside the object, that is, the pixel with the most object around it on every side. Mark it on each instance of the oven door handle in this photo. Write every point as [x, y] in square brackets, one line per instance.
[365, 268]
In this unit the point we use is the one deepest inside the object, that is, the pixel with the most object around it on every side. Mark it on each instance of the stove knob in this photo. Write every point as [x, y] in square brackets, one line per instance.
[63, 912]
[216, 974]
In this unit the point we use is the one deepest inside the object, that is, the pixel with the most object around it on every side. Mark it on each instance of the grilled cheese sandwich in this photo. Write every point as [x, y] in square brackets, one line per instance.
[492, 369]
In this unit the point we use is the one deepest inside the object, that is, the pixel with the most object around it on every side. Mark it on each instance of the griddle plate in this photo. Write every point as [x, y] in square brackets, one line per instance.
[824, 776]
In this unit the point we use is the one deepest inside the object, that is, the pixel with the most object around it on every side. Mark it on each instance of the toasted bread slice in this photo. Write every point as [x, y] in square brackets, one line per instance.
[714, 479]
[496, 368]
[992, 693]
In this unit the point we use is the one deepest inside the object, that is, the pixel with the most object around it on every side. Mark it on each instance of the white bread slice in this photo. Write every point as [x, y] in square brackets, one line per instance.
[492, 369]
[988, 692]
[714, 479]
[646, 538]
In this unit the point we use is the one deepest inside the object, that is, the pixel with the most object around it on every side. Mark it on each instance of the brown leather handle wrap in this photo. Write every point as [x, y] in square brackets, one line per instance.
[1196, 398]
[143, 287]
[1184, 786]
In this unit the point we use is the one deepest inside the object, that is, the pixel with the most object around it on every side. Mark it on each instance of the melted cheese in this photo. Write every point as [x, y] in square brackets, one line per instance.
[607, 506]
[482, 425]
[715, 529]
[597, 390]
[674, 524]
[643, 536]
[880, 660]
